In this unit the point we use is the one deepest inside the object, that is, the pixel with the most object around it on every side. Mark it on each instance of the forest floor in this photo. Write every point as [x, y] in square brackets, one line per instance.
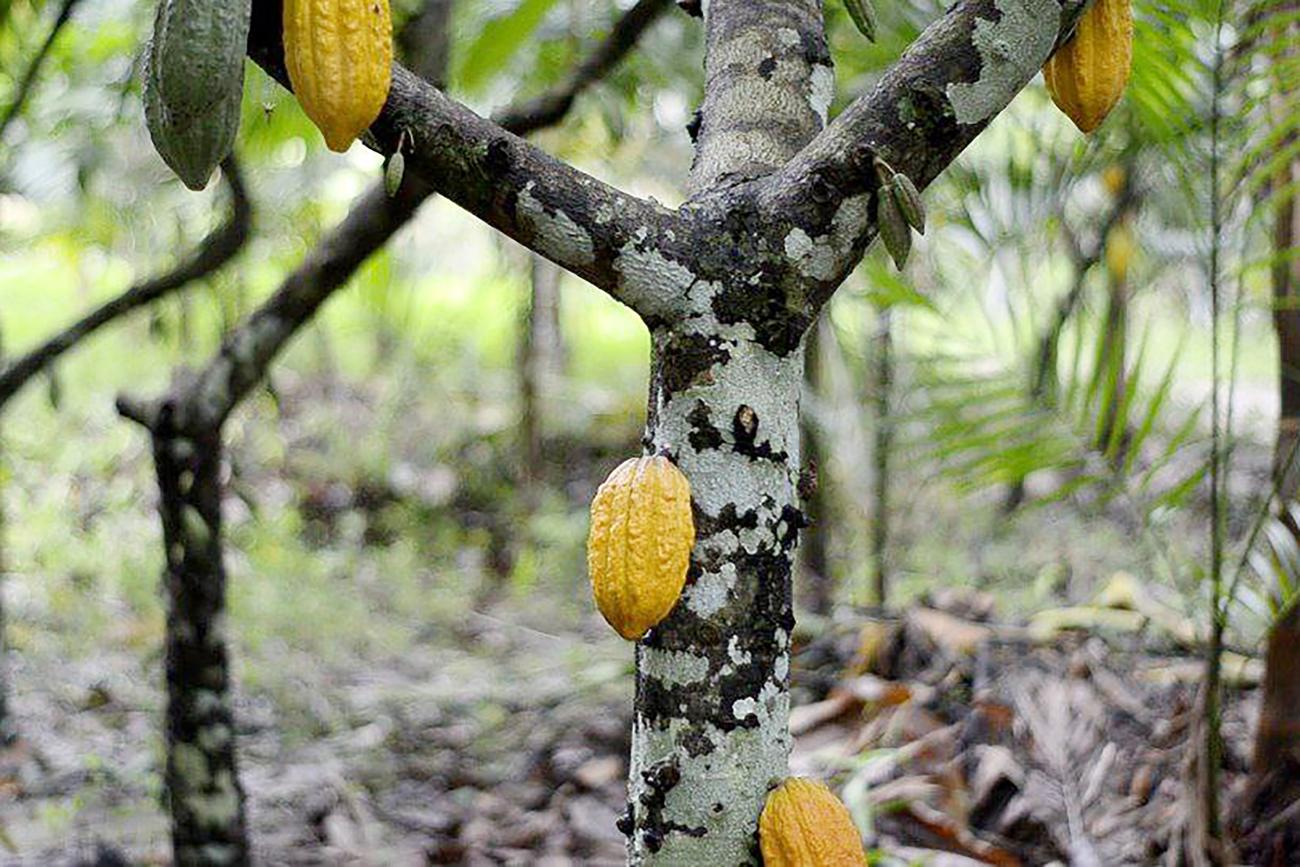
[958, 740]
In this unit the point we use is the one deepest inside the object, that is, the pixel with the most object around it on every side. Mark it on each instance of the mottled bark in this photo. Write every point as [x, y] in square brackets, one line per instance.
[202, 780]
[817, 589]
[6, 724]
[768, 88]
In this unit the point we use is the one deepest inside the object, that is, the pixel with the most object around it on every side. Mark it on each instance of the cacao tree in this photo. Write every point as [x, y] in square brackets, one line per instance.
[782, 205]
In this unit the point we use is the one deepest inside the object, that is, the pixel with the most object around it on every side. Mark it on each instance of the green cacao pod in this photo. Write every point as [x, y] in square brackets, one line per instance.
[198, 53]
[193, 119]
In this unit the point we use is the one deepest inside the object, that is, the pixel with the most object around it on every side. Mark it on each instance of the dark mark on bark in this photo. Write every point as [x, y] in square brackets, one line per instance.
[704, 435]
[688, 360]
[766, 67]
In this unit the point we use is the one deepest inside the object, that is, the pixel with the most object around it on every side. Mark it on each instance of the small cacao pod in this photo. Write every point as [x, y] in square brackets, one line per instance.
[1087, 75]
[1113, 178]
[803, 824]
[339, 54]
[194, 83]
[1120, 247]
[893, 227]
[908, 199]
[639, 546]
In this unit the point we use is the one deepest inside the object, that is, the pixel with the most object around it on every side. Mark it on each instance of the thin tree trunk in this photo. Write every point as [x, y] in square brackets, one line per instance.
[203, 789]
[881, 394]
[819, 588]
[1111, 361]
[1278, 736]
[540, 358]
[7, 731]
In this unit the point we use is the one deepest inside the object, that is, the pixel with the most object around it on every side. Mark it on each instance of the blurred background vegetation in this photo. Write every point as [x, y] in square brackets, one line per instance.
[402, 547]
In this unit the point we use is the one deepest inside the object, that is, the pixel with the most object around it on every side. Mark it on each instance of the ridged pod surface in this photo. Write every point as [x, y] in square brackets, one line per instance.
[804, 824]
[339, 54]
[197, 53]
[192, 141]
[639, 546]
[1087, 75]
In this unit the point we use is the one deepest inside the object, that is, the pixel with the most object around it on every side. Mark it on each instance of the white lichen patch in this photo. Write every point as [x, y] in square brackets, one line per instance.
[1011, 51]
[823, 258]
[710, 592]
[556, 235]
[653, 284]
[219, 806]
[821, 91]
[735, 654]
[674, 668]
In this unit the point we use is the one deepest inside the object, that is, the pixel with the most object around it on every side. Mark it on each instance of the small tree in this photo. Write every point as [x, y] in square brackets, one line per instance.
[782, 206]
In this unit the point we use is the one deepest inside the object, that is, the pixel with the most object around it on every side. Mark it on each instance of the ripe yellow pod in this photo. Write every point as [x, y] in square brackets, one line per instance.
[1087, 75]
[1120, 247]
[339, 54]
[639, 546]
[804, 824]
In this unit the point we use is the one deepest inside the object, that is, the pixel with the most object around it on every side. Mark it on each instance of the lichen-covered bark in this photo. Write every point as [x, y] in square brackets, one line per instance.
[710, 730]
[768, 87]
[202, 780]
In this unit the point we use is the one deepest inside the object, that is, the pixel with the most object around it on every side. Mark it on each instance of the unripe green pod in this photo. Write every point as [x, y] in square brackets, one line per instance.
[909, 201]
[863, 13]
[194, 82]
[198, 53]
[894, 231]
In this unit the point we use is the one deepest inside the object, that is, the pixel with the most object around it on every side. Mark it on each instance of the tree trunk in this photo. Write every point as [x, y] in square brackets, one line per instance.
[881, 392]
[1279, 726]
[712, 702]
[818, 588]
[540, 358]
[7, 731]
[1111, 360]
[203, 789]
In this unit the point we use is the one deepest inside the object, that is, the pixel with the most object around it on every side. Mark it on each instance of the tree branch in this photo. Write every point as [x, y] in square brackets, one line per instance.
[208, 398]
[945, 89]
[548, 206]
[215, 251]
[29, 78]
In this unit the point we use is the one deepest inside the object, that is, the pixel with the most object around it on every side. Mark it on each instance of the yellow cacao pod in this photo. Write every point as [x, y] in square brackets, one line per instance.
[804, 824]
[1113, 179]
[639, 547]
[1087, 75]
[339, 54]
[1120, 247]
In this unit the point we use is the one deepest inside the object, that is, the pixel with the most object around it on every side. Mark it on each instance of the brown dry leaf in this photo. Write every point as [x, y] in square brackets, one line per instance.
[956, 636]
[808, 717]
